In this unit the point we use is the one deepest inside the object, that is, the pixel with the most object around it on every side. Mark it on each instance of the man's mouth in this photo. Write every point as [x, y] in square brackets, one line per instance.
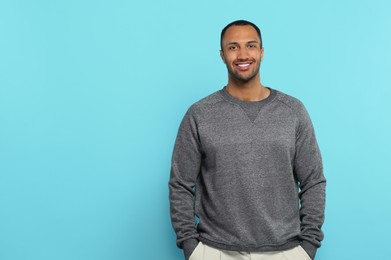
[243, 65]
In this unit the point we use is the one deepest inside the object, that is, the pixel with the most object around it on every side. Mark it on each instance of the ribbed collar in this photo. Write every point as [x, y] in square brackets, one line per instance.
[242, 103]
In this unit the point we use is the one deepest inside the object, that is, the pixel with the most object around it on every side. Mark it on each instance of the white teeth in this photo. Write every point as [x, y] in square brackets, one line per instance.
[243, 65]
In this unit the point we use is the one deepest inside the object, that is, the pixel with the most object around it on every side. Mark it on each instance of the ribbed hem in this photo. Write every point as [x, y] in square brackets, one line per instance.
[309, 248]
[189, 246]
[263, 248]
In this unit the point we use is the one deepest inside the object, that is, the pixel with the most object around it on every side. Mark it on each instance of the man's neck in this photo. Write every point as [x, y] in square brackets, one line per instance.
[247, 91]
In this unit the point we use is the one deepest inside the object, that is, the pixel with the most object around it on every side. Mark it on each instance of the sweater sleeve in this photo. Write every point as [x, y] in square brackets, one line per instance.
[185, 167]
[309, 170]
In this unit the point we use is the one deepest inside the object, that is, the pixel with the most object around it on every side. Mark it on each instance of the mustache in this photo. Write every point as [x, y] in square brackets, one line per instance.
[244, 60]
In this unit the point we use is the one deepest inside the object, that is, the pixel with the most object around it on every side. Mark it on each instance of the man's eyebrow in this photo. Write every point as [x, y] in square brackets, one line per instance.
[253, 41]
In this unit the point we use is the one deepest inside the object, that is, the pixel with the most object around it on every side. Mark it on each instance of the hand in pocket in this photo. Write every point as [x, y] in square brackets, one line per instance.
[197, 254]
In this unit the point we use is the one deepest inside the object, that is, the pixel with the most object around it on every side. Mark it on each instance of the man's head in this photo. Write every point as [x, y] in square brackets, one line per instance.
[241, 50]
[239, 23]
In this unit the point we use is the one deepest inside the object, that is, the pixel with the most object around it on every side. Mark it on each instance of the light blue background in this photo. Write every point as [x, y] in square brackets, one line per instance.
[92, 94]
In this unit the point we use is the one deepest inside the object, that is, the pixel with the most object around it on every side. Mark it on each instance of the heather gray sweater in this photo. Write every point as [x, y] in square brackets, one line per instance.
[255, 185]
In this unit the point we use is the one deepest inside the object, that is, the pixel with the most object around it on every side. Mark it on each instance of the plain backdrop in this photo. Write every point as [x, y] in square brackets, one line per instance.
[92, 94]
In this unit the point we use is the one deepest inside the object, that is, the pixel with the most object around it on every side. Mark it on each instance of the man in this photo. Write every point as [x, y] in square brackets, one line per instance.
[246, 177]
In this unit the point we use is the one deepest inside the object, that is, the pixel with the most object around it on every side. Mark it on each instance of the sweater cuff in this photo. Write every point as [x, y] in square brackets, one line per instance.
[309, 248]
[189, 246]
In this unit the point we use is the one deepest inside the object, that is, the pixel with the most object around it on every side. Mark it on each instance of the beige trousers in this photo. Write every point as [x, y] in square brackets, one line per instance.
[205, 252]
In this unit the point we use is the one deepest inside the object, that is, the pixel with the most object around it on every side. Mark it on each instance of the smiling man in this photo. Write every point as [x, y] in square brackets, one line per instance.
[246, 174]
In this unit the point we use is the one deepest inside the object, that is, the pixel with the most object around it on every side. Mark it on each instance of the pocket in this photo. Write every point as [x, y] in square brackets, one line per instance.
[195, 253]
[304, 253]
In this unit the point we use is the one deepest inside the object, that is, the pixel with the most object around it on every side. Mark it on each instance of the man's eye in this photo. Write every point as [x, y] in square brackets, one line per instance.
[232, 47]
[251, 46]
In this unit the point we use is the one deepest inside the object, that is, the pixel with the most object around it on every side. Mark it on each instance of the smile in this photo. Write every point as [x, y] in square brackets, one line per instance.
[243, 65]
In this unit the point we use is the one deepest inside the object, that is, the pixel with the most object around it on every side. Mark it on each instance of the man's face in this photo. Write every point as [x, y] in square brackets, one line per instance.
[242, 52]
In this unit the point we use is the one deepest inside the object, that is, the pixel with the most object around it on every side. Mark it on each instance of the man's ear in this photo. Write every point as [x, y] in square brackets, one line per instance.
[222, 56]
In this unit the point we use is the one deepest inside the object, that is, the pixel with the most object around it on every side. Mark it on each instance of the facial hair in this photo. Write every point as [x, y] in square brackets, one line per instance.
[242, 78]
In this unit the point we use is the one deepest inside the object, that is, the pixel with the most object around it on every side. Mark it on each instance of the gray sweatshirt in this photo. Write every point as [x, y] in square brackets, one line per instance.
[247, 185]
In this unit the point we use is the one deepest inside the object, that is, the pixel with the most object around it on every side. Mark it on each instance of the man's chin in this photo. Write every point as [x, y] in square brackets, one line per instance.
[243, 78]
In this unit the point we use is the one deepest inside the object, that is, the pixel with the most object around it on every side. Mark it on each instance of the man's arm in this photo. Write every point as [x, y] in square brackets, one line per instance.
[309, 171]
[185, 167]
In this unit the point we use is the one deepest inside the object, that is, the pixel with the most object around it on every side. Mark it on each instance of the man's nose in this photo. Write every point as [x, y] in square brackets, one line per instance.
[243, 53]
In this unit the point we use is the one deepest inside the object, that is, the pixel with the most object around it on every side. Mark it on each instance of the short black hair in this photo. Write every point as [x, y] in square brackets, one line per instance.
[239, 23]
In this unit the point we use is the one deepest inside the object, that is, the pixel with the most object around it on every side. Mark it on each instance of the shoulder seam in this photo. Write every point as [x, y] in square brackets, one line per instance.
[287, 105]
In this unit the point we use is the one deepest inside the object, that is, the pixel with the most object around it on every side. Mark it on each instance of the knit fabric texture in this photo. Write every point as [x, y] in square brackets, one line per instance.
[247, 181]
